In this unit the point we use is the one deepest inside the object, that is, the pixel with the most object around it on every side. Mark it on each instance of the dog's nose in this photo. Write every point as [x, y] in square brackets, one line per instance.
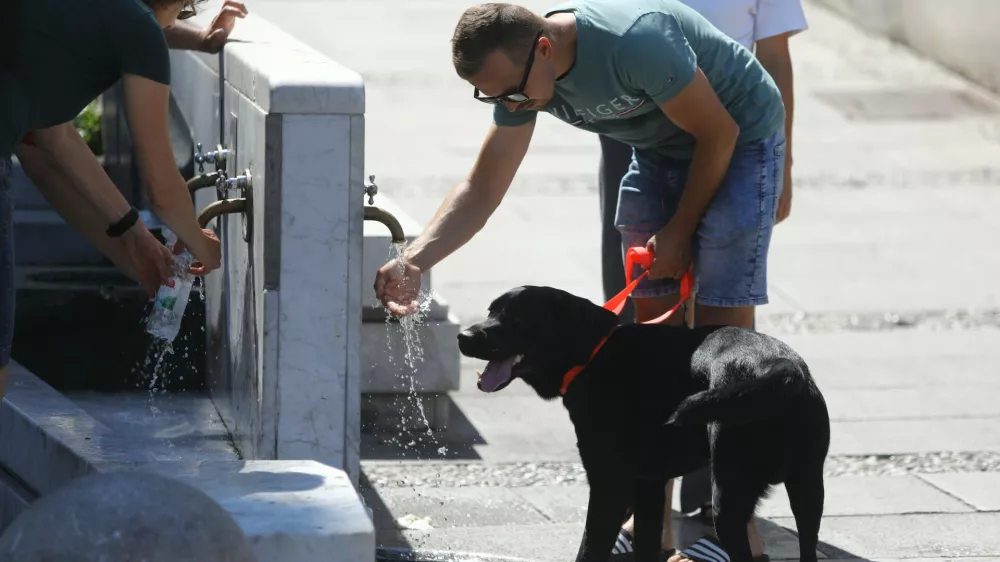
[465, 338]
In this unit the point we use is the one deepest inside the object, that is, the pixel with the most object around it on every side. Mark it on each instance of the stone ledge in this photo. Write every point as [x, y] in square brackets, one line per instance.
[281, 74]
[46, 440]
[291, 510]
[14, 499]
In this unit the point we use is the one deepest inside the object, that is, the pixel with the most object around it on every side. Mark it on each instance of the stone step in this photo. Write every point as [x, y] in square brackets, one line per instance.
[292, 511]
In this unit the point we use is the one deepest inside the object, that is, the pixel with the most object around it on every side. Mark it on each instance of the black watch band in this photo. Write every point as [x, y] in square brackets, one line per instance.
[125, 223]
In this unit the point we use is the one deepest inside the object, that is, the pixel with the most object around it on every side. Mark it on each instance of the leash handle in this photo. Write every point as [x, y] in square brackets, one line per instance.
[637, 255]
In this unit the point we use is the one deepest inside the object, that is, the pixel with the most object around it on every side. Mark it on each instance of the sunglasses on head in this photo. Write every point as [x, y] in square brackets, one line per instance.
[515, 95]
[187, 12]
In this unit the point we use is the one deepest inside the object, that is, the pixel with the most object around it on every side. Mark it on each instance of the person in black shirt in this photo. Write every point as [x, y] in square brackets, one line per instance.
[59, 55]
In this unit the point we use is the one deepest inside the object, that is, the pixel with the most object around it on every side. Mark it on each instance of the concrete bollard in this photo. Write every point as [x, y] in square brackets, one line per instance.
[125, 517]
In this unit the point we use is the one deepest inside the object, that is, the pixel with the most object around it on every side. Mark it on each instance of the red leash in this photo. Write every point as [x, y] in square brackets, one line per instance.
[634, 256]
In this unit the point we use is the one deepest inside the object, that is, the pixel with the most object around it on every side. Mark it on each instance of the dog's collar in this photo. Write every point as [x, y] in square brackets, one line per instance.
[634, 256]
[572, 373]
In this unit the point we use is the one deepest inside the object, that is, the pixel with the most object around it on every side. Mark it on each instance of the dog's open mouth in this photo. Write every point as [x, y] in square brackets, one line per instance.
[497, 374]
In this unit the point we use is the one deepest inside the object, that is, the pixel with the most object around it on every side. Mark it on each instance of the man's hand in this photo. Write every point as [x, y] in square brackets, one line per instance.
[785, 200]
[215, 35]
[397, 285]
[149, 257]
[671, 249]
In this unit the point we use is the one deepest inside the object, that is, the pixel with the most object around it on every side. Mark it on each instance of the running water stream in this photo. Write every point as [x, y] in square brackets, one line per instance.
[413, 355]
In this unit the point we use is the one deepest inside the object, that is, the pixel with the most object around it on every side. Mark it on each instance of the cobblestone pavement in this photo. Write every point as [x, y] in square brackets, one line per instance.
[524, 474]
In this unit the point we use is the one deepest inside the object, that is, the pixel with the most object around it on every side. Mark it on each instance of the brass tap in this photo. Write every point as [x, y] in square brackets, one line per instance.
[224, 207]
[386, 218]
[204, 180]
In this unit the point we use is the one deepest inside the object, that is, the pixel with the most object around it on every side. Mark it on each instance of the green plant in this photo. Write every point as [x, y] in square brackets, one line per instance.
[88, 123]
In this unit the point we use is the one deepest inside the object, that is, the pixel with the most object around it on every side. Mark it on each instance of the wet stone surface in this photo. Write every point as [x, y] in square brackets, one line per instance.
[511, 475]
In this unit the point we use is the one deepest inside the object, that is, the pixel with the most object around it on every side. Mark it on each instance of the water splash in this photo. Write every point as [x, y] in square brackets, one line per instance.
[156, 355]
[413, 356]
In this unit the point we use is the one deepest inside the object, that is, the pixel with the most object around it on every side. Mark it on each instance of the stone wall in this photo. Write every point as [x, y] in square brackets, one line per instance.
[283, 314]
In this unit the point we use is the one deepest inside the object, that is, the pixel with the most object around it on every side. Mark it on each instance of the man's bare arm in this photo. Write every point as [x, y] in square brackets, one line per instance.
[184, 36]
[697, 110]
[466, 209]
[774, 56]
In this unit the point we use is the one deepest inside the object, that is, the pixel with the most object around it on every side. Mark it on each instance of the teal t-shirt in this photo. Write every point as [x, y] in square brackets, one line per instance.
[633, 55]
[68, 53]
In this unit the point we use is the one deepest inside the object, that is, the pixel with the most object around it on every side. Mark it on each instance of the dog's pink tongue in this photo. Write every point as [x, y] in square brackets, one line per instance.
[496, 374]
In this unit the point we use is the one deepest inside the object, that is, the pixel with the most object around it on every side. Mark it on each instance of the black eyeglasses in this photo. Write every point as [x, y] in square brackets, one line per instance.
[187, 13]
[515, 95]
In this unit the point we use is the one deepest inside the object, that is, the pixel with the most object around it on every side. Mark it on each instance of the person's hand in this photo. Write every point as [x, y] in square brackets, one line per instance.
[785, 200]
[150, 258]
[671, 251]
[208, 256]
[215, 35]
[397, 285]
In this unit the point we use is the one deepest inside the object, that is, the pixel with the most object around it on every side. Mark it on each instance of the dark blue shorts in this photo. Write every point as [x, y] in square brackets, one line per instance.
[730, 246]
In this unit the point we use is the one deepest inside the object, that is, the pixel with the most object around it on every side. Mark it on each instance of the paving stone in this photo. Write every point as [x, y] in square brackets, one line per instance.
[901, 359]
[560, 504]
[978, 489]
[544, 543]
[937, 536]
[887, 437]
[870, 495]
[951, 402]
[452, 507]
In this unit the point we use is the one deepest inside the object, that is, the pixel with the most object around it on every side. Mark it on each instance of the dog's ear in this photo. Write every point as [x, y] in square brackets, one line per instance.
[589, 324]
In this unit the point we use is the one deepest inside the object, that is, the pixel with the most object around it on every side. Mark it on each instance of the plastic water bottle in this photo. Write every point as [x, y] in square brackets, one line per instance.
[168, 309]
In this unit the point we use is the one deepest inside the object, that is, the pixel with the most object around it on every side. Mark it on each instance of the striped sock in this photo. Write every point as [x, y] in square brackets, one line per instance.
[623, 545]
[706, 550]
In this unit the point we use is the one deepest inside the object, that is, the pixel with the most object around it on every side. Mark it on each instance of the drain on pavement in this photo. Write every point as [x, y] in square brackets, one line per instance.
[908, 105]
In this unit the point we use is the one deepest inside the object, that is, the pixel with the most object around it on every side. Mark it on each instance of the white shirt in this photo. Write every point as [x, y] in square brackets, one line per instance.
[749, 21]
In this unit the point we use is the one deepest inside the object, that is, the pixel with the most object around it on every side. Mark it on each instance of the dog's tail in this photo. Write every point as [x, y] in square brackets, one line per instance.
[764, 397]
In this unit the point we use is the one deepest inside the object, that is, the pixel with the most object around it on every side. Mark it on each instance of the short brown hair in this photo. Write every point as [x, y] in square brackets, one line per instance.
[485, 28]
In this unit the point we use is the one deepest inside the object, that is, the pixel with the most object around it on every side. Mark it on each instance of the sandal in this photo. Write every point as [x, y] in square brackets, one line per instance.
[624, 552]
[708, 549]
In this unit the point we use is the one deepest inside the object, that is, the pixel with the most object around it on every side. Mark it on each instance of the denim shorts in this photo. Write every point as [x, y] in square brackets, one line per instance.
[6, 263]
[729, 247]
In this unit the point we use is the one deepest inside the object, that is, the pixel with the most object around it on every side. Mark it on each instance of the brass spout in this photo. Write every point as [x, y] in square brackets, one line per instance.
[386, 218]
[204, 180]
[223, 207]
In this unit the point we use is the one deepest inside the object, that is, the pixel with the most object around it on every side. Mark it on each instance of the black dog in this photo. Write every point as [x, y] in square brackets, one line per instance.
[655, 402]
